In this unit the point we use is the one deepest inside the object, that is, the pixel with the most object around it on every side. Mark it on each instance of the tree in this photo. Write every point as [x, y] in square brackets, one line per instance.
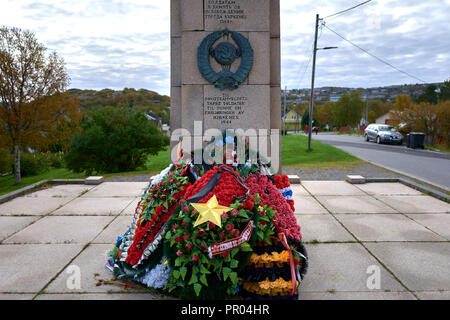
[430, 95]
[114, 140]
[444, 91]
[29, 78]
[347, 110]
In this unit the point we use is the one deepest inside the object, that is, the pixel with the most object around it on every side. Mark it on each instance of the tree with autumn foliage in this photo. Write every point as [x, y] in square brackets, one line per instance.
[32, 84]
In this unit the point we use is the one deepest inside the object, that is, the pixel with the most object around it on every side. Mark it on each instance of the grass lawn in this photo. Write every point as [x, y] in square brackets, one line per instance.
[295, 154]
[7, 183]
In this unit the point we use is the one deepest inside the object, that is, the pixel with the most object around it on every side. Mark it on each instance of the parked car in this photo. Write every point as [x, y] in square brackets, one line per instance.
[383, 133]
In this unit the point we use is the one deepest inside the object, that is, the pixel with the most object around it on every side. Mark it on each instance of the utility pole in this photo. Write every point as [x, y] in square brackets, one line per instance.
[284, 116]
[311, 102]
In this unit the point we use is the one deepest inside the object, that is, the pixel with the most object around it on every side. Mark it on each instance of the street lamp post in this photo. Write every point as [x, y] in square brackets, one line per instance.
[311, 102]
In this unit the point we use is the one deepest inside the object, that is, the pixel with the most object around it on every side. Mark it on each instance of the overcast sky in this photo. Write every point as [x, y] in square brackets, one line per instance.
[118, 43]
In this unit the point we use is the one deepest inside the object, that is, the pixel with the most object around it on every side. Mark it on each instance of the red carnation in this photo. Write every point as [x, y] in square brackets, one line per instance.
[201, 232]
[235, 232]
[223, 235]
[159, 209]
[203, 247]
[186, 209]
[188, 246]
[225, 254]
[175, 227]
[195, 258]
[235, 212]
[179, 253]
[184, 223]
[211, 225]
[229, 227]
[156, 188]
[185, 237]
[177, 239]
[171, 174]
[225, 216]
[163, 197]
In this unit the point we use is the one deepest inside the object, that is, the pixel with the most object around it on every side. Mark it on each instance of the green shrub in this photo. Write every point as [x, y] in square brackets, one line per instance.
[32, 164]
[55, 159]
[113, 140]
[6, 161]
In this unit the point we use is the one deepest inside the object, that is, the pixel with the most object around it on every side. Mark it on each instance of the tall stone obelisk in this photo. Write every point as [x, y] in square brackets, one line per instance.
[225, 65]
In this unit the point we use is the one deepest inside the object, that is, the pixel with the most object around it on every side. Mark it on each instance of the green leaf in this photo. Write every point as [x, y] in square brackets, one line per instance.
[177, 262]
[246, 247]
[226, 272]
[193, 279]
[176, 274]
[234, 263]
[260, 235]
[203, 280]
[233, 277]
[234, 252]
[243, 214]
[204, 270]
[183, 271]
[197, 288]
[168, 235]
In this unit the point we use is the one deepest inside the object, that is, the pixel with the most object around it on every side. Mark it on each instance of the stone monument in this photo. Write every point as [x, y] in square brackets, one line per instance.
[225, 68]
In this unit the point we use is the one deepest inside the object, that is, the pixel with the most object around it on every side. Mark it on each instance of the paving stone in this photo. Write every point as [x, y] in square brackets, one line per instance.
[332, 188]
[10, 225]
[354, 204]
[438, 222]
[386, 227]
[15, 296]
[322, 228]
[388, 188]
[420, 266]
[91, 262]
[343, 267]
[131, 208]
[94, 206]
[342, 295]
[416, 204]
[31, 206]
[28, 268]
[61, 230]
[433, 295]
[61, 191]
[100, 296]
[117, 189]
[117, 228]
[308, 205]
[299, 190]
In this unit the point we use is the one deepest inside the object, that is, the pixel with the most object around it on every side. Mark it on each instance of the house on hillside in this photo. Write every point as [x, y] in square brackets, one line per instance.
[292, 119]
[152, 117]
[385, 118]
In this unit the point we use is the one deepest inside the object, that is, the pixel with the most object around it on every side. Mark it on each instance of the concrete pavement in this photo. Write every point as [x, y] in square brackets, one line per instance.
[371, 241]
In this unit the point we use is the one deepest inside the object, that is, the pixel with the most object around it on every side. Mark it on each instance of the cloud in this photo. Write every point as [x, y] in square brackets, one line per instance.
[124, 43]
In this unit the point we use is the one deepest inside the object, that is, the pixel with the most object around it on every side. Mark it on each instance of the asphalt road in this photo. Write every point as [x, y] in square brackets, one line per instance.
[428, 165]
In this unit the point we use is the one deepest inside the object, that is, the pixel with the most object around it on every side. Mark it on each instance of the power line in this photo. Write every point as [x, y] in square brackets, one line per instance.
[311, 55]
[340, 12]
[372, 55]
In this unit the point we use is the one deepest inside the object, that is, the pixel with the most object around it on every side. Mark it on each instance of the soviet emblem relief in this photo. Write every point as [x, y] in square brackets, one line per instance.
[225, 53]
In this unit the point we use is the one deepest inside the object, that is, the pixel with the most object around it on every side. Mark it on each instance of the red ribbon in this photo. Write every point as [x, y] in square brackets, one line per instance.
[283, 240]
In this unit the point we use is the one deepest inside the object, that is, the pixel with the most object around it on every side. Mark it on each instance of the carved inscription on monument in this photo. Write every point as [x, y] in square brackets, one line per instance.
[225, 109]
[224, 11]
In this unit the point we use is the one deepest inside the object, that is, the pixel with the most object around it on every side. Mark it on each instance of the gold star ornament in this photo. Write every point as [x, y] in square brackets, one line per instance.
[210, 211]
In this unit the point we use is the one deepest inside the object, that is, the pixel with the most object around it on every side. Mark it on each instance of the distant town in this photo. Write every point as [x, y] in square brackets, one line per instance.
[332, 94]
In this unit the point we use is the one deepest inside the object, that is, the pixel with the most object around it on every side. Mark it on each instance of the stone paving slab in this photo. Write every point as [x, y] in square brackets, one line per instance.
[117, 228]
[131, 208]
[386, 227]
[433, 295]
[117, 189]
[340, 295]
[350, 204]
[31, 206]
[438, 222]
[28, 268]
[10, 225]
[57, 229]
[95, 206]
[322, 228]
[16, 296]
[332, 188]
[416, 204]
[420, 266]
[299, 190]
[91, 262]
[61, 191]
[388, 188]
[343, 267]
[99, 296]
[308, 205]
